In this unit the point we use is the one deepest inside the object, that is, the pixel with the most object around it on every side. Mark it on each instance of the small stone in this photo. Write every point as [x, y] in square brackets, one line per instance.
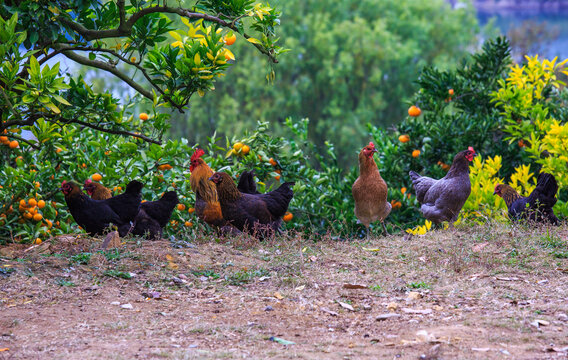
[413, 295]
[115, 303]
[127, 306]
[437, 308]
[563, 317]
[182, 276]
[269, 308]
[387, 316]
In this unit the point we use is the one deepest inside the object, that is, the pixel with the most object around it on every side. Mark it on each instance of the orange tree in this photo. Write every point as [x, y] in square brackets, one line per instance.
[56, 126]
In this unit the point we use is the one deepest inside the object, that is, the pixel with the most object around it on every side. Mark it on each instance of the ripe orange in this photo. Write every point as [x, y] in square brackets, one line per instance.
[238, 146]
[37, 217]
[41, 204]
[188, 224]
[416, 153]
[4, 139]
[83, 165]
[277, 177]
[403, 190]
[451, 92]
[521, 143]
[230, 40]
[287, 217]
[144, 116]
[58, 150]
[23, 203]
[164, 167]
[14, 144]
[272, 162]
[181, 207]
[404, 138]
[49, 223]
[245, 150]
[32, 202]
[28, 215]
[97, 177]
[414, 111]
[37, 241]
[190, 210]
[133, 59]
[37, 184]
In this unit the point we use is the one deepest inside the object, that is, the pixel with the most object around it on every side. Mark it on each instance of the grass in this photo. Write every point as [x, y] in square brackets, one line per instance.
[117, 274]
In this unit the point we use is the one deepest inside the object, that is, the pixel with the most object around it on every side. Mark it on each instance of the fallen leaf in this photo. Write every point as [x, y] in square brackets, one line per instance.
[417, 311]
[169, 257]
[387, 316]
[278, 296]
[4, 349]
[507, 278]
[173, 265]
[313, 258]
[346, 306]
[281, 341]
[300, 288]
[480, 349]
[369, 249]
[477, 248]
[326, 310]
[355, 286]
[413, 295]
[392, 306]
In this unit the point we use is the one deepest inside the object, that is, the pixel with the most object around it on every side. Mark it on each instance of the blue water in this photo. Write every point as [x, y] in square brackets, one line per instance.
[505, 20]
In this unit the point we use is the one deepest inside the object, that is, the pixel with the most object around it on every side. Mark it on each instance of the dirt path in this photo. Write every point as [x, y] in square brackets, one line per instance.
[474, 294]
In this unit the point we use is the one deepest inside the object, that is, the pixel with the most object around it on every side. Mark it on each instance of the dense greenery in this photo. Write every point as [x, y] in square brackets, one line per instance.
[352, 62]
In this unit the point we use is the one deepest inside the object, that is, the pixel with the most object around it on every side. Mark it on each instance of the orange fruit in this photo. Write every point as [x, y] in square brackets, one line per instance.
[414, 111]
[83, 165]
[41, 204]
[190, 210]
[32, 202]
[37, 184]
[3, 139]
[404, 138]
[37, 241]
[238, 146]
[188, 224]
[416, 153]
[37, 217]
[133, 59]
[277, 177]
[403, 190]
[97, 177]
[451, 92]
[245, 150]
[287, 217]
[272, 162]
[521, 143]
[181, 207]
[107, 152]
[14, 144]
[164, 167]
[23, 203]
[144, 116]
[230, 39]
[28, 215]
[49, 223]
[58, 150]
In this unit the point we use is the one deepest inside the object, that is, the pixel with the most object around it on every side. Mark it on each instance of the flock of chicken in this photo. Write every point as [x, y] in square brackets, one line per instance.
[237, 208]
[441, 200]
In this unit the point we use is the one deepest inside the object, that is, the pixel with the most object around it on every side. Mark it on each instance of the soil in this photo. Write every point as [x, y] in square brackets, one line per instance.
[480, 292]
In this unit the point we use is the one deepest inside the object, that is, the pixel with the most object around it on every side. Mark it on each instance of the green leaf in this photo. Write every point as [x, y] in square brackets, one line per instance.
[60, 99]
[34, 66]
[53, 108]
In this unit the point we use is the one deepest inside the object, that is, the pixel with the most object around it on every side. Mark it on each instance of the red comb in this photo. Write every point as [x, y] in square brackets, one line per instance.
[197, 154]
[371, 144]
[88, 181]
[64, 182]
[471, 149]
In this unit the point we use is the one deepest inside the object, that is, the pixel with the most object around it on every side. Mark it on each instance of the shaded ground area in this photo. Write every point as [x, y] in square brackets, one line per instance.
[481, 292]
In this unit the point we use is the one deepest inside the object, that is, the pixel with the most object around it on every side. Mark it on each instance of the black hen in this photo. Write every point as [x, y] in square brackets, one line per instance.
[154, 215]
[96, 215]
[260, 214]
[246, 183]
[537, 206]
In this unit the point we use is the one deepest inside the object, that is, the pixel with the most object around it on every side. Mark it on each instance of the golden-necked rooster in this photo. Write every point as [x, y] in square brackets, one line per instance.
[370, 191]
[537, 206]
[207, 206]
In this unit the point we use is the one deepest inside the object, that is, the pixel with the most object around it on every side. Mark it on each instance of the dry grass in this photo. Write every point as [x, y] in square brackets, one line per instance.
[225, 297]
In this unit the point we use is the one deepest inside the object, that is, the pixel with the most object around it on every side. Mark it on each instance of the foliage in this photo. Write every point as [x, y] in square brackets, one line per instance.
[120, 38]
[531, 102]
[352, 63]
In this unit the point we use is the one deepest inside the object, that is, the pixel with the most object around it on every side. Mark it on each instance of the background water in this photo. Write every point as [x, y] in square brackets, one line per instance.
[506, 20]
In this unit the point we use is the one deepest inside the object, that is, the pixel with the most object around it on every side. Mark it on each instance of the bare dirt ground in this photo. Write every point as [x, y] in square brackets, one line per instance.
[491, 291]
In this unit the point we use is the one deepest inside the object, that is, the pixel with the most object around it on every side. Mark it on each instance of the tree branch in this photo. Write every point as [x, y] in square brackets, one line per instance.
[68, 52]
[125, 28]
[117, 132]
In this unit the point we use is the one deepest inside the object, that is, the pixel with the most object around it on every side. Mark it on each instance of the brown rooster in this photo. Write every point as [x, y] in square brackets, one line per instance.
[207, 206]
[537, 206]
[96, 191]
[259, 214]
[443, 199]
[370, 191]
